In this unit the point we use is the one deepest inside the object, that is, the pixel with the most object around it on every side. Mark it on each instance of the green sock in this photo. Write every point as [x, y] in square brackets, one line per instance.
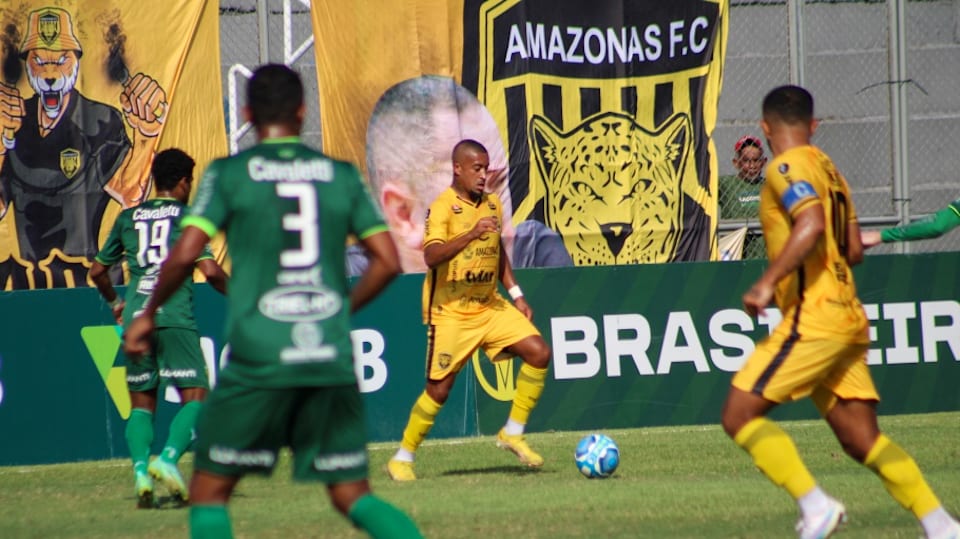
[181, 432]
[382, 520]
[139, 434]
[210, 522]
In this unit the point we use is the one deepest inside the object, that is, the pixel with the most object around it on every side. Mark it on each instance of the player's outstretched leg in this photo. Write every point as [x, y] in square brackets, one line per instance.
[139, 435]
[422, 416]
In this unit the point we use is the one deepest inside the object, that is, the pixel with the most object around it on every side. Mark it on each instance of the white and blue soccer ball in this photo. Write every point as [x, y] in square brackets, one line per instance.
[597, 456]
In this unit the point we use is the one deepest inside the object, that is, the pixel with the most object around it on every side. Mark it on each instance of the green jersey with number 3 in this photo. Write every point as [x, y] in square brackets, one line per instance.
[287, 211]
[144, 235]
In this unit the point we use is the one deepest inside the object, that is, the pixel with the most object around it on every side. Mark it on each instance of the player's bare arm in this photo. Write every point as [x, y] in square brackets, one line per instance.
[438, 253]
[870, 238]
[174, 271]
[512, 286]
[808, 227]
[101, 278]
[383, 267]
[144, 105]
[214, 274]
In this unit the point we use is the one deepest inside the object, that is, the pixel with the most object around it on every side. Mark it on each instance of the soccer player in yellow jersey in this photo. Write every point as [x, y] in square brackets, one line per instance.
[463, 310]
[819, 350]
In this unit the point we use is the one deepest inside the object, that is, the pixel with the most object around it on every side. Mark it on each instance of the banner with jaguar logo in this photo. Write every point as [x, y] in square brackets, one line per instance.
[601, 111]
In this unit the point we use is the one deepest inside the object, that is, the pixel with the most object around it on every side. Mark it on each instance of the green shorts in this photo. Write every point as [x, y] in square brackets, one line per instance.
[177, 360]
[241, 430]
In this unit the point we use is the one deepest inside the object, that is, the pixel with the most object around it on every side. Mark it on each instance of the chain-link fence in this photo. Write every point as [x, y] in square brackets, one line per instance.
[884, 76]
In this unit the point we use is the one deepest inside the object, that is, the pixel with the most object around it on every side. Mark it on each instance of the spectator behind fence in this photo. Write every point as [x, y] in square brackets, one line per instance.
[740, 193]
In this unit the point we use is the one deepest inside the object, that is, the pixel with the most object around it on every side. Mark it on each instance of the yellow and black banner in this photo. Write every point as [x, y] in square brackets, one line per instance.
[90, 91]
[605, 110]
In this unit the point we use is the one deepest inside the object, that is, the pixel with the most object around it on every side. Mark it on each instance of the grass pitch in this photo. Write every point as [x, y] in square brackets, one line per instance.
[672, 482]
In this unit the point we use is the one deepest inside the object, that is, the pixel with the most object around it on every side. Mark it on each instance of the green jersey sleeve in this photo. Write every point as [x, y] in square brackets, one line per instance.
[209, 210]
[366, 219]
[932, 226]
[112, 250]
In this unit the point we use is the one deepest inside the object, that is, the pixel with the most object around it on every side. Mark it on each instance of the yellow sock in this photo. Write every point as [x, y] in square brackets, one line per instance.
[421, 421]
[901, 476]
[775, 454]
[530, 384]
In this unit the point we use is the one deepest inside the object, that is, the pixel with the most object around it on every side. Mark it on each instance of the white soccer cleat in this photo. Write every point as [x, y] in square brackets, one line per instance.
[822, 525]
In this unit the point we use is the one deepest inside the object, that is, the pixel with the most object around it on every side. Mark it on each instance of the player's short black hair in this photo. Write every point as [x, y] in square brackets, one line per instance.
[467, 144]
[274, 94]
[791, 104]
[170, 166]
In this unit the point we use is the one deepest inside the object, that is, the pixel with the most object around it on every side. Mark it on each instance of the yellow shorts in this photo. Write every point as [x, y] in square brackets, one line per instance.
[451, 343]
[784, 368]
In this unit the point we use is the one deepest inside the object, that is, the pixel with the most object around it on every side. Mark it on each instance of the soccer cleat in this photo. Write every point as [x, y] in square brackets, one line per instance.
[822, 525]
[169, 476]
[400, 470]
[144, 487]
[518, 446]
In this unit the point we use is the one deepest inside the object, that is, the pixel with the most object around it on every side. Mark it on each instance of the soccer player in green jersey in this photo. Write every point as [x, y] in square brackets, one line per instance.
[143, 235]
[287, 211]
[931, 226]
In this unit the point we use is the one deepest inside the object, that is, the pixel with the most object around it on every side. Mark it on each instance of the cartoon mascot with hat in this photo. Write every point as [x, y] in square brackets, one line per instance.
[64, 156]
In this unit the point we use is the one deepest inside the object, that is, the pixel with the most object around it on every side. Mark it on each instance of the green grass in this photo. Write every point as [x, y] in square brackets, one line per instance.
[672, 482]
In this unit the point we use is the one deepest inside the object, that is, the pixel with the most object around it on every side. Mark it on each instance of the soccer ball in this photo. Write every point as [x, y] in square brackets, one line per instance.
[597, 456]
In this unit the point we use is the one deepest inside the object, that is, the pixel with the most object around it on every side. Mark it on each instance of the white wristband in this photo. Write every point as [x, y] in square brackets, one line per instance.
[515, 292]
[116, 301]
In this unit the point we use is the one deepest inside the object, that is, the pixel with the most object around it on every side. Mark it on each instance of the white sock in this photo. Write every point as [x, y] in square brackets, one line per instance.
[814, 502]
[512, 428]
[404, 455]
[936, 521]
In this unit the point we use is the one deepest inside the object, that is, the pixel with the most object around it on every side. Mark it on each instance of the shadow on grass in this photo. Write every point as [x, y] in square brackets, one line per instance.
[519, 470]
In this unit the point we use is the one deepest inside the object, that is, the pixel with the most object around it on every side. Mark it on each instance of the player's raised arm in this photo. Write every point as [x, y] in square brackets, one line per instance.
[439, 252]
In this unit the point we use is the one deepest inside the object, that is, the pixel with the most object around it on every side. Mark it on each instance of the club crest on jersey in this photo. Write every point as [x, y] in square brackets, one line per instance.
[70, 162]
[491, 205]
[783, 168]
[456, 209]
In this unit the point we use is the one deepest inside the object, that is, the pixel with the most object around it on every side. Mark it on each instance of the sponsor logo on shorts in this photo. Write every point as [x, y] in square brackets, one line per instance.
[178, 373]
[340, 461]
[229, 455]
[138, 378]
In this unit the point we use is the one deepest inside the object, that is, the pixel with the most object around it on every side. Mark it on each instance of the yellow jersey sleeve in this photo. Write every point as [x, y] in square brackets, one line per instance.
[794, 183]
[436, 227]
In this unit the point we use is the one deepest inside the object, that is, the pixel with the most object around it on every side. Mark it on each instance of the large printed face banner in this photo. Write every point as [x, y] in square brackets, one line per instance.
[597, 116]
[88, 94]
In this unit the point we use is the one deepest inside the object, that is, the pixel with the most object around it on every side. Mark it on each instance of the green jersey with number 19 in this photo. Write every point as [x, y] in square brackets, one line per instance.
[144, 235]
[287, 211]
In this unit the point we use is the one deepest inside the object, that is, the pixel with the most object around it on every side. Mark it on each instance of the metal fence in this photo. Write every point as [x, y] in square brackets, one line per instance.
[884, 75]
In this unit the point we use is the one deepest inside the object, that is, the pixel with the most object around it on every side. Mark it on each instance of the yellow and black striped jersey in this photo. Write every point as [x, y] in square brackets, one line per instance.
[467, 283]
[819, 299]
